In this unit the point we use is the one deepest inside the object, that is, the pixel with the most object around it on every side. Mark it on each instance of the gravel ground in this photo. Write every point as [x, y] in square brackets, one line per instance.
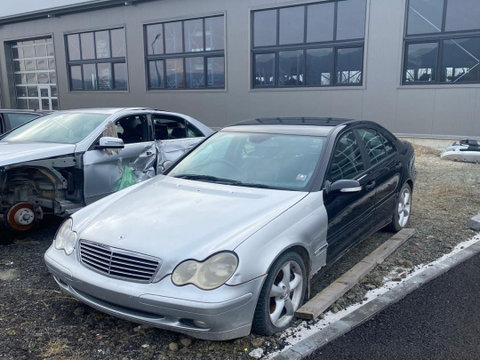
[40, 322]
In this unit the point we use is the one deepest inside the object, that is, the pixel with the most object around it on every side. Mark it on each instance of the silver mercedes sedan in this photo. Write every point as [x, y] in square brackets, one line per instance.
[227, 240]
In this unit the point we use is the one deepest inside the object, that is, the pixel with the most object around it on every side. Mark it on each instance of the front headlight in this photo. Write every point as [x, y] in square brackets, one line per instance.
[66, 238]
[208, 274]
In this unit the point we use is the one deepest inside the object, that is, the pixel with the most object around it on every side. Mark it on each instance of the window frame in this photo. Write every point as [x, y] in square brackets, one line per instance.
[333, 44]
[95, 61]
[432, 37]
[382, 138]
[184, 55]
[361, 148]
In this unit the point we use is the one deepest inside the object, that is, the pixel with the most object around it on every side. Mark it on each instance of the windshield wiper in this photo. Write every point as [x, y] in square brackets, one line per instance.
[254, 185]
[210, 178]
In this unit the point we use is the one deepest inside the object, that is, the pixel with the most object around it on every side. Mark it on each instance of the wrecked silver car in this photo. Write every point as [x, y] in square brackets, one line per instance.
[63, 161]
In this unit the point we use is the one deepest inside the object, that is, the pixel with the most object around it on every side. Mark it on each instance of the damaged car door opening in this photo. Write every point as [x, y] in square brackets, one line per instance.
[58, 163]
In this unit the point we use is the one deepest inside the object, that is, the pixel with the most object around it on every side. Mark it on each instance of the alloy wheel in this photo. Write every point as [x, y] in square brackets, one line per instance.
[286, 293]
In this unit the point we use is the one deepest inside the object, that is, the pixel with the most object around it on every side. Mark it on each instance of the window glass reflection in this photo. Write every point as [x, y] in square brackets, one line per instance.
[265, 28]
[291, 69]
[319, 67]
[351, 19]
[461, 60]
[292, 20]
[424, 16]
[349, 66]
[421, 62]
[265, 69]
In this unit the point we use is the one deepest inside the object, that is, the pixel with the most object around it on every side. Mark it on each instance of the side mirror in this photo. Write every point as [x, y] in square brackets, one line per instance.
[344, 186]
[166, 164]
[107, 142]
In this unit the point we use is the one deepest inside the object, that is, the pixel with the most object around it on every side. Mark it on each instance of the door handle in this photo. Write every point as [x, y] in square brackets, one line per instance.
[398, 166]
[149, 153]
[370, 185]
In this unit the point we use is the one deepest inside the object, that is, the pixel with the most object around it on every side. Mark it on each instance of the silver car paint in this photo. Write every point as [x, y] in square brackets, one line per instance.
[263, 224]
[14, 153]
[102, 170]
[227, 311]
[162, 206]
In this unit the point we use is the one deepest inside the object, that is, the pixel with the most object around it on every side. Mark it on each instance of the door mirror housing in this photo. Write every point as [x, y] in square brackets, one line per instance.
[166, 164]
[108, 142]
[344, 186]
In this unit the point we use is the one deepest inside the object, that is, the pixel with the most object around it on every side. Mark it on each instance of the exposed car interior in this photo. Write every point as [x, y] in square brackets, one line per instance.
[133, 129]
[168, 127]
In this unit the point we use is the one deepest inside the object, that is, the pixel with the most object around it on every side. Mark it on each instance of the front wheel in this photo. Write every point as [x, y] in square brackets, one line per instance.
[401, 213]
[282, 294]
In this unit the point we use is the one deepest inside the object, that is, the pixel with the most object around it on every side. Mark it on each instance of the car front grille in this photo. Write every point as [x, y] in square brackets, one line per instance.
[118, 263]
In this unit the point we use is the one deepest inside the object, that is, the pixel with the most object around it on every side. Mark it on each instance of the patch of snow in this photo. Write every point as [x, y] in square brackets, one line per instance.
[296, 334]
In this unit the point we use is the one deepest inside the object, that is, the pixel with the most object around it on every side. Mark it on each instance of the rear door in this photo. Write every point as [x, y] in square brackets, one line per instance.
[173, 137]
[107, 171]
[385, 166]
[350, 215]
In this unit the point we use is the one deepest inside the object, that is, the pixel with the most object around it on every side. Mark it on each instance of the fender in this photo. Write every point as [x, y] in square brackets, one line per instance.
[303, 226]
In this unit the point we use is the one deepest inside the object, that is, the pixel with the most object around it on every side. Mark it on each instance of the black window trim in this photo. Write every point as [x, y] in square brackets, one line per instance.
[333, 44]
[111, 60]
[368, 163]
[438, 37]
[183, 55]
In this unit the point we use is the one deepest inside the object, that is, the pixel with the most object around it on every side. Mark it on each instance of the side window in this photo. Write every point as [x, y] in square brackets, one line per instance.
[376, 145]
[347, 160]
[169, 128]
[132, 129]
[192, 131]
[17, 119]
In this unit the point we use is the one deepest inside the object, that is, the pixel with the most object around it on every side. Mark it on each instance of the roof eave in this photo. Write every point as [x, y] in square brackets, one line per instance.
[67, 9]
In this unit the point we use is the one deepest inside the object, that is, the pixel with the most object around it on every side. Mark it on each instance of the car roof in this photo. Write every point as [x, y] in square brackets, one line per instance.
[316, 126]
[106, 110]
[26, 111]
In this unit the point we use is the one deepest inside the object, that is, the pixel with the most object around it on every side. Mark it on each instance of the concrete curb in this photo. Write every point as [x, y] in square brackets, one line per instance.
[357, 317]
[474, 222]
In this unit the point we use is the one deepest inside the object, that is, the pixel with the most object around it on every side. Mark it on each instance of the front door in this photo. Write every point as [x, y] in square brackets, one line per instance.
[107, 171]
[349, 214]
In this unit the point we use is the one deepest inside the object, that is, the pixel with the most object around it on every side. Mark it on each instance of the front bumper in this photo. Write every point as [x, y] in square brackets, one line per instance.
[221, 314]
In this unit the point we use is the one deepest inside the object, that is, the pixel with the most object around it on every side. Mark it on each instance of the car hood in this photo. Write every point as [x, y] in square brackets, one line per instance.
[13, 153]
[176, 219]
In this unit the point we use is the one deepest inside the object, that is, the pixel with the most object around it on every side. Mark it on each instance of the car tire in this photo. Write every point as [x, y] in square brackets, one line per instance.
[281, 295]
[403, 208]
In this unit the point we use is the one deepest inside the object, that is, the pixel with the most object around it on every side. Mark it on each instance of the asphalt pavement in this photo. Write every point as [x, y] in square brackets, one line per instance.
[440, 320]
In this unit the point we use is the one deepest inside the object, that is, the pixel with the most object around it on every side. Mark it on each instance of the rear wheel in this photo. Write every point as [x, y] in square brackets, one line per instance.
[282, 294]
[20, 217]
[401, 214]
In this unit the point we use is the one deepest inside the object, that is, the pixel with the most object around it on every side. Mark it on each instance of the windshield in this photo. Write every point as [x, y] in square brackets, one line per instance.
[276, 161]
[68, 128]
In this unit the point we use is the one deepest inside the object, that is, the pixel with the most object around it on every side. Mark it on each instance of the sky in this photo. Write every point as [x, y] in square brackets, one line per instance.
[14, 7]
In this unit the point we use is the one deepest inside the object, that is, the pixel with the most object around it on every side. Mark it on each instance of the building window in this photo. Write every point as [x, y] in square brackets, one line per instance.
[34, 73]
[319, 44]
[442, 42]
[96, 60]
[186, 54]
